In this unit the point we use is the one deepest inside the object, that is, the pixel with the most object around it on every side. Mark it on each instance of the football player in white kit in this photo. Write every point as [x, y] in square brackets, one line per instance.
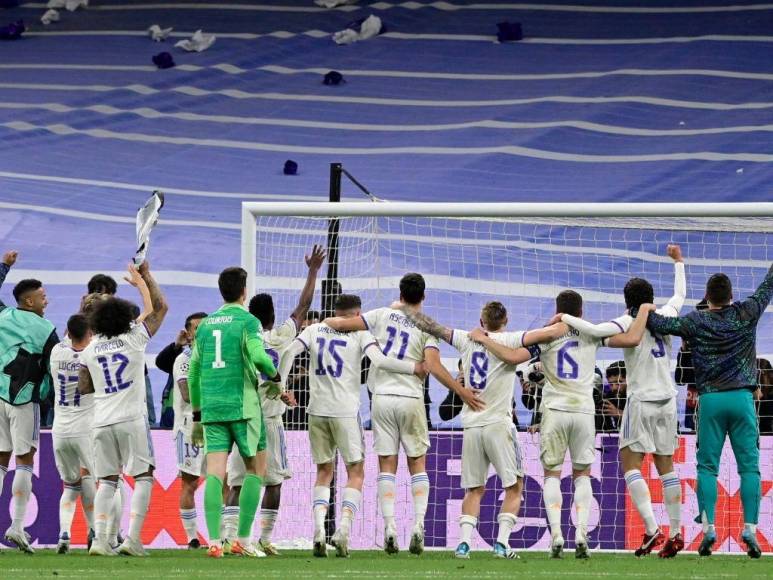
[333, 410]
[71, 432]
[190, 457]
[568, 410]
[113, 368]
[489, 435]
[650, 421]
[275, 340]
[398, 414]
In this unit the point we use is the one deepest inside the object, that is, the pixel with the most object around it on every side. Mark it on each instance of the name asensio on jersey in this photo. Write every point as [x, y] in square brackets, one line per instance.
[401, 319]
[108, 346]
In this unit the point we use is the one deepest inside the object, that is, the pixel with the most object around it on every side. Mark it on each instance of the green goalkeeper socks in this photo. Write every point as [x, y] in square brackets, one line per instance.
[213, 506]
[248, 504]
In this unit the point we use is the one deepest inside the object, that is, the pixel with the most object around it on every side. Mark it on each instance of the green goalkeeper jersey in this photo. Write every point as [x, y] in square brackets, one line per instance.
[226, 360]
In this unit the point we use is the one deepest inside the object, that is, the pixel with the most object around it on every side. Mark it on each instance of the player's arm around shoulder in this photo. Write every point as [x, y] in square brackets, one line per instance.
[347, 323]
[632, 337]
[257, 353]
[85, 383]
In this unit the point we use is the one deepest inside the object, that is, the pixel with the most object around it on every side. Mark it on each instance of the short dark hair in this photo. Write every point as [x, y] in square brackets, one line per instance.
[103, 284]
[313, 315]
[494, 315]
[412, 288]
[232, 282]
[569, 302]
[637, 292]
[112, 317]
[77, 326]
[616, 369]
[719, 289]
[347, 302]
[24, 286]
[262, 308]
[192, 317]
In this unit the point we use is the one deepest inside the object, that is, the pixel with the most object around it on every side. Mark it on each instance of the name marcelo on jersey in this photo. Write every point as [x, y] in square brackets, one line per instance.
[110, 346]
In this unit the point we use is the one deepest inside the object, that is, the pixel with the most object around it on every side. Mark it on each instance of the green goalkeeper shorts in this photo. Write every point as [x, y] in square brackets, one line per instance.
[249, 435]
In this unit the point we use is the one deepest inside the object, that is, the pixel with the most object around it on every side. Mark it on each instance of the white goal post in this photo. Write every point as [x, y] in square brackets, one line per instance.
[521, 254]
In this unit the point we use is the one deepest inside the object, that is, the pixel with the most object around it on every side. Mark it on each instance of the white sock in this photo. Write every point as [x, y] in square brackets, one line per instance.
[188, 517]
[751, 528]
[350, 505]
[88, 492]
[583, 495]
[230, 522]
[116, 513]
[3, 471]
[386, 497]
[103, 509]
[321, 504]
[21, 488]
[506, 523]
[67, 505]
[554, 500]
[672, 496]
[143, 486]
[466, 526]
[267, 521]
[640, 496]
[420, 491]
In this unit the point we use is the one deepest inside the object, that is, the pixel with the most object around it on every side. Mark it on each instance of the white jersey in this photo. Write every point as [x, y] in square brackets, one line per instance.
[183, 412]
[334, 372]
[648, 366]
[400, 340]
[74, 413]
[569, 364]
[493, 379]
[275, 342]
[117, 369]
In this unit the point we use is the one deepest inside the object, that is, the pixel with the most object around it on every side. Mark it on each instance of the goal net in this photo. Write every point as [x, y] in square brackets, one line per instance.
[523, 257]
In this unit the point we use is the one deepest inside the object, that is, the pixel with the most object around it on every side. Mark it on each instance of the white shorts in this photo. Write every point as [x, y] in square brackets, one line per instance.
[326, 434]
[561, 431]
[650, 427]
[72, 454]
[190, 457]
[277, 467]
[123, 448]
[19, 428]
[399, 421]
[495, 444]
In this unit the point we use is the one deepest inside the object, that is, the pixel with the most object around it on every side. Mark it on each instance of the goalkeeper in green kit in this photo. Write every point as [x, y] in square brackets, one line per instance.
[226, 361]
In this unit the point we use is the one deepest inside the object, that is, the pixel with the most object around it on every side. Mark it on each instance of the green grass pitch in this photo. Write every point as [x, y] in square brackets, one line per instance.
[371, 564]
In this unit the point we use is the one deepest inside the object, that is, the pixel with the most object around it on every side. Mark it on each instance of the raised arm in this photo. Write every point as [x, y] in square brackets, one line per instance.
[680, 281]
[380, 361]
[436, 368]
[424, 322]
[601, 330]
[314, 263]
[756, 304]
[9, 259]
[160, 307]
[512, 356]
[85, 384]
[346, 324]
[137, 281]
[632, 337]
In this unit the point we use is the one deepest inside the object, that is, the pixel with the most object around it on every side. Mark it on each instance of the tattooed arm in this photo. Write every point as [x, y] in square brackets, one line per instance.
[425, 323]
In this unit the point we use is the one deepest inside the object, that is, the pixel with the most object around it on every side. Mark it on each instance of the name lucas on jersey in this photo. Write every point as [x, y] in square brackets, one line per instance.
[69, 366]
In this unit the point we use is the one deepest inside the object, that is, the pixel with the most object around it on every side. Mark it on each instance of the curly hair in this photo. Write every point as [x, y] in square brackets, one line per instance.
[638, 291]
[112, 317]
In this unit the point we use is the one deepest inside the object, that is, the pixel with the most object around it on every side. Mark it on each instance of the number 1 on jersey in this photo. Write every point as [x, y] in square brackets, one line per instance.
[218, 363]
